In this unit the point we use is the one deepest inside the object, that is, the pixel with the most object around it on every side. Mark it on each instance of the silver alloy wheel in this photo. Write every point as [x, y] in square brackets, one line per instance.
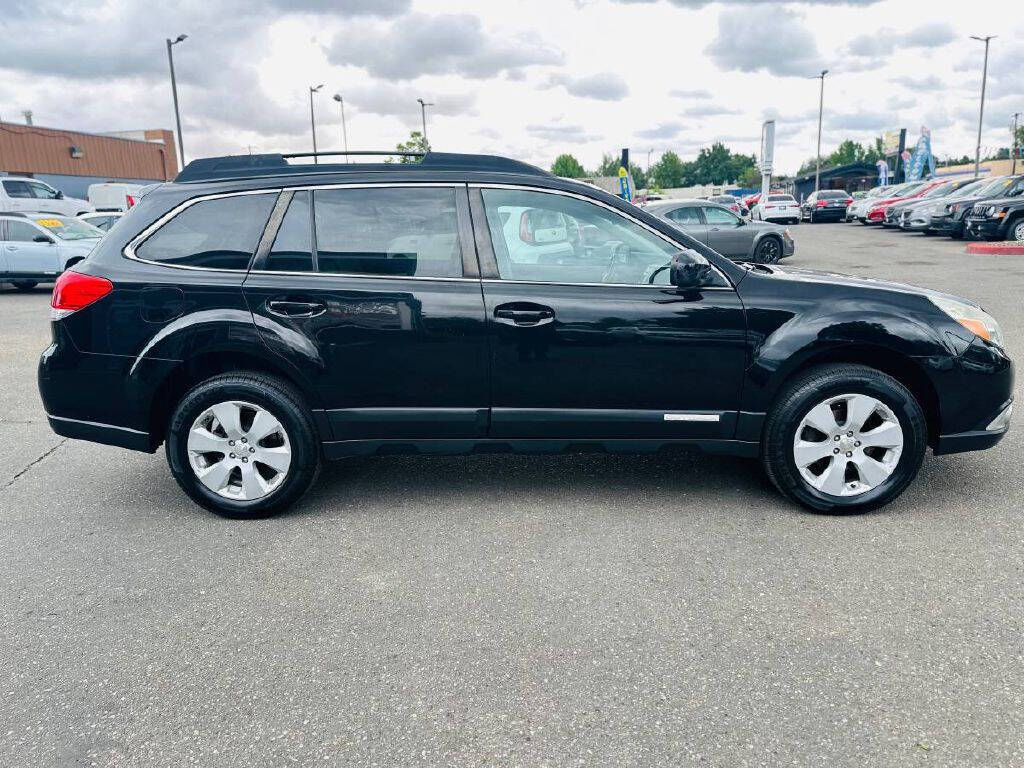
[848, 444]
[239, 450]
[1018, 231]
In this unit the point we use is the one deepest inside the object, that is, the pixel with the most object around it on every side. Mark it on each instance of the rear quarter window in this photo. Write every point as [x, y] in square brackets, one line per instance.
[216, 234]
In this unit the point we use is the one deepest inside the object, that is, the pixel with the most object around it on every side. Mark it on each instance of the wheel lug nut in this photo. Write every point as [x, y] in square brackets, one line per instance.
[856, 443]
[231, 456]
[245, 441]
[849, 454]
[253, 450]
[836, 437]
[835, 450]
[245, 459]
[231, 442]
[848, 434]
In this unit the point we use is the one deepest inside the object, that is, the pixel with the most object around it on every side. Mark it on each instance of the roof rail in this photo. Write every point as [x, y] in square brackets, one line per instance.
[251, 166]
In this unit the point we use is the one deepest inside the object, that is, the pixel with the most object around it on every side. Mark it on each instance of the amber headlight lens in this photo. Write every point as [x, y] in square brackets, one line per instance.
[973, 318]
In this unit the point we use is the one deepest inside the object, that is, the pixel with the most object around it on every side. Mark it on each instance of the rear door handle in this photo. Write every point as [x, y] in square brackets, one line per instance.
[528, 315]
[286, 308]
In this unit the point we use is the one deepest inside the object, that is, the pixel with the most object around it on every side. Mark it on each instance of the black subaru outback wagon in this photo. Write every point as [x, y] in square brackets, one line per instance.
[258, 316]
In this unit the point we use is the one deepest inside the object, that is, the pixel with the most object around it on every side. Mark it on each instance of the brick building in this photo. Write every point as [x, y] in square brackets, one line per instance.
[72, 160]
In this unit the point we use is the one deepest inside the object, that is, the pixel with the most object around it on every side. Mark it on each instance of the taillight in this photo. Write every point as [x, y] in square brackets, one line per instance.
[73, 291]
[821, 203]
[525, 233]
[130, 200]
[768, 207]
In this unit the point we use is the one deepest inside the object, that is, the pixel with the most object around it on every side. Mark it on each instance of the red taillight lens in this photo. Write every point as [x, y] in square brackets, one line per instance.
[74, 290]
[768, 207]
[130, 200]
[822, 203]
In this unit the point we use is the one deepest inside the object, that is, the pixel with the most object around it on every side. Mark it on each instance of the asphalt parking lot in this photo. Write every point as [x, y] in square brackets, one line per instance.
[506, 610]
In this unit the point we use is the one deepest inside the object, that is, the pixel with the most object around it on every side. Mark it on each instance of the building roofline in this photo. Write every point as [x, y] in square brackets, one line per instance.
[37, 128]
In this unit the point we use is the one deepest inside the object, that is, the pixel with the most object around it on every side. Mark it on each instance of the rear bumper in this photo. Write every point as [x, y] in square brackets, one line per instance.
[108, 434]
[828, 214]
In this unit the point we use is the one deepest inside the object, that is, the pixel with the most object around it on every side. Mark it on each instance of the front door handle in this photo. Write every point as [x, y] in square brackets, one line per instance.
[286, 308]
[524, 314]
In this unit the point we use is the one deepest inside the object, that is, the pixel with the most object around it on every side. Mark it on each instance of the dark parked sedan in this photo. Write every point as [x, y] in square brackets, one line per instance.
[826, 205]
[727, 233]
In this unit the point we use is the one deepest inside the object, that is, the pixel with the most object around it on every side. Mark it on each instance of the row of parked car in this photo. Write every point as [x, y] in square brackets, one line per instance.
[989, 209]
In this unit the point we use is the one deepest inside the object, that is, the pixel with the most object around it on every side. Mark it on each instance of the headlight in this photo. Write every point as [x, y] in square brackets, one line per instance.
[975, 320]
[786, 234]
[990, 211]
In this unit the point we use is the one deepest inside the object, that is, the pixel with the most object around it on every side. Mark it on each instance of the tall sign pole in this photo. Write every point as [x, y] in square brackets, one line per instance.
[821, 110]
[767, 158]
[1016, 142]
[981, 110]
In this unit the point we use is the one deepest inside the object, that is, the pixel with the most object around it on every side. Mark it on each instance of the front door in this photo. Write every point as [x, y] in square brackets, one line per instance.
[689, 219]
[367, 291]
[728, 233]
[24, 255]
[597, 344]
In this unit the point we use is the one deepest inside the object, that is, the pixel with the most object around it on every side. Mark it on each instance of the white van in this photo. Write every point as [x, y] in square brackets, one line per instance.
[22, 194]
[114, 195]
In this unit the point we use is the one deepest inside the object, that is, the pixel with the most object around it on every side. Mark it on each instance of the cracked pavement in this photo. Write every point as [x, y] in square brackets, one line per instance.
[514, 611]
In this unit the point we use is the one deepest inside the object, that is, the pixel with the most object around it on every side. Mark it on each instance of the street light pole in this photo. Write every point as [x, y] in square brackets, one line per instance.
[174, 92]
[344, 130]
[821, 110]
[1016, 142]
[423, 113]
[312, 119]
[981, 110]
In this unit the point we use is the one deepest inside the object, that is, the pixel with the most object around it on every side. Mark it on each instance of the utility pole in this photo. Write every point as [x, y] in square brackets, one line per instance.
[174, 92]
[981, 110]
[344, 130]
[821, 110]
[423, 112]
[1016, 142]
[649, 160]
[312, 119]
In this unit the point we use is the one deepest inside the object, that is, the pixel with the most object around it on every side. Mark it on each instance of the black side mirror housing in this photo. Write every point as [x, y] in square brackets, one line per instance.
[60, 195]
[42, 239]
[689, 271]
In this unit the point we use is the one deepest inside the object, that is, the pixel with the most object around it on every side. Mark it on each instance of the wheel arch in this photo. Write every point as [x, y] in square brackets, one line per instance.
[901, 367]
[214, 362]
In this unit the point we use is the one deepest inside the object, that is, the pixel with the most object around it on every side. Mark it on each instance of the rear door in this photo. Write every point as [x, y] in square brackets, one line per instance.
[727, 232]
[19, 195]
[688, 218]
[373, 292]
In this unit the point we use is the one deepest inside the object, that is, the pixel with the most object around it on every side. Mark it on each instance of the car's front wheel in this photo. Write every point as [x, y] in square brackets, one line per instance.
[768, 251]
[1017, 230]
[243, 445]
[844, 438]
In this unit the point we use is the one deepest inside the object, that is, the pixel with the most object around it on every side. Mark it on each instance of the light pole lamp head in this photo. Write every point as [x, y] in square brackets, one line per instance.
[178, 39]
[337, 97]
[316, 89]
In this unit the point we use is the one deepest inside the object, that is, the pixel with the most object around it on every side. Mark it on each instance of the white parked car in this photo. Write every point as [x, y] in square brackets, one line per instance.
[38, 248]
[537, 235]
[102, 219]
[783, 208]
[24, 194]
[114, 195]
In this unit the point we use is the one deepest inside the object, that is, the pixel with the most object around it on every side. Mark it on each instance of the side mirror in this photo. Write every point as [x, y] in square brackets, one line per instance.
[42, 239]
[60, 195]
[689, 271]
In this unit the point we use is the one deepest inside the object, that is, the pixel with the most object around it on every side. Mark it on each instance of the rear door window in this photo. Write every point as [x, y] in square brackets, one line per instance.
[686, 215]
[17, 189]
[405, 231]
[293, 247]
[216, 234]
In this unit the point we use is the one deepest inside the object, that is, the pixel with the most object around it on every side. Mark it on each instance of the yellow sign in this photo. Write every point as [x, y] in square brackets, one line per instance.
[622, 172]
[50, 222]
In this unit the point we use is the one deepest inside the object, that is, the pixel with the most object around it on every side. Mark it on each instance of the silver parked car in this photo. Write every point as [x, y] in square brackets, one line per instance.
[721, 229]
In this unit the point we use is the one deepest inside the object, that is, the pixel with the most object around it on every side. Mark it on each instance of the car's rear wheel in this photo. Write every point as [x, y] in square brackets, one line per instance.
[843, 439]
[769, 251]
[25, 285]
[243, 445]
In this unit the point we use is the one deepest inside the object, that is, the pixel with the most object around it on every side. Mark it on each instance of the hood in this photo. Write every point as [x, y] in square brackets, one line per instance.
[871, 283]
[1000, 200]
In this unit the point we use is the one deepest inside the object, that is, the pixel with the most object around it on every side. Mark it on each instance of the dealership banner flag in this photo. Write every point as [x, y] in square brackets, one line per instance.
[922, 155]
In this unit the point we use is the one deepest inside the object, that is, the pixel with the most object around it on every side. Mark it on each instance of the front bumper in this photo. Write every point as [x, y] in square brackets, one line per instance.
[985, 229]
[947, 224]
[978, 439]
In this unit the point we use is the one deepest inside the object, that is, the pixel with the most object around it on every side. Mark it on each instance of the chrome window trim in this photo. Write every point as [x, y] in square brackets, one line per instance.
[129, 251]
[679, 246]
[364, 276]
[139, 239]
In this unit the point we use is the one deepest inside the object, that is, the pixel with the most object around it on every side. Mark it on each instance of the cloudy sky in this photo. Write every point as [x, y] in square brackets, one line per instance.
[524, 78]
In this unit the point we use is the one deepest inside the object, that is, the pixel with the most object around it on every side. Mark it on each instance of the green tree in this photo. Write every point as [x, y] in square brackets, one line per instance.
[717, 165]
[751, 177]
[669, 171]
[416, 143]
[609, 165]
[639, 175]
[568, 166]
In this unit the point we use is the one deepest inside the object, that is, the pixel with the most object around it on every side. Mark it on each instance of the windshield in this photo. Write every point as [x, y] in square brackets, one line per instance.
[968, 189]
[995, 187]
[832, 195]
[908, 189]
[67, 228]
[940, 191]
[879, 191]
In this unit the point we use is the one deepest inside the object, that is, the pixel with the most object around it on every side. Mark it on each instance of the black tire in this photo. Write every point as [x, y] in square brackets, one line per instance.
[284, 403]
[25, 285]
[813, 387]
[768, 251]
[1015, 230]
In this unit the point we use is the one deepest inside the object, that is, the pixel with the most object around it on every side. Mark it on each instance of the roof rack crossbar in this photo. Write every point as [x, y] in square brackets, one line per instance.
[361, 152]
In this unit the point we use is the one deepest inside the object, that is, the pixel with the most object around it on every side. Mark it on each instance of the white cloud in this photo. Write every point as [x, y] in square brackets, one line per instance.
[768, 38]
